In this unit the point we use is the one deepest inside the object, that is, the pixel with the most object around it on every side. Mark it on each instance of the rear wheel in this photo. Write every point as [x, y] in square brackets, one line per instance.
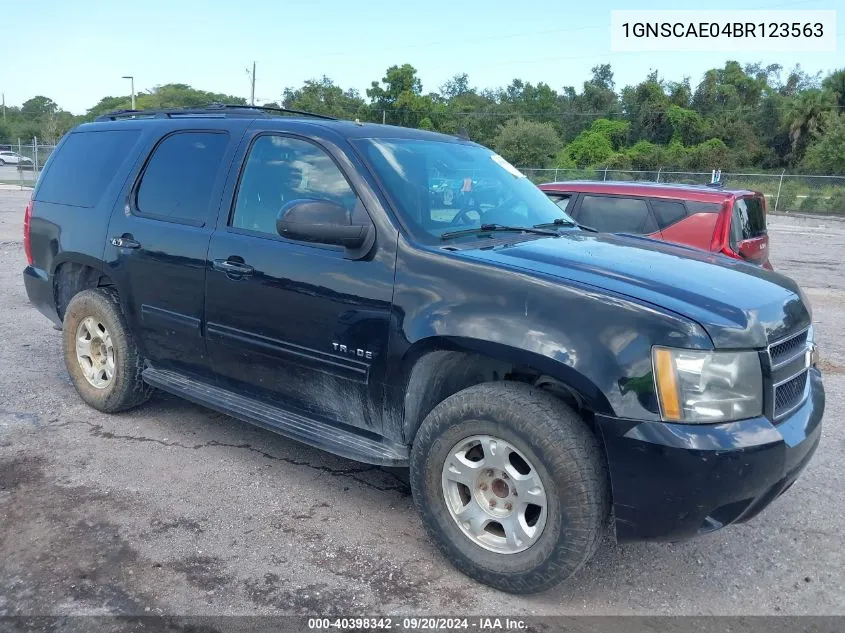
[100, 354]
[511, 485]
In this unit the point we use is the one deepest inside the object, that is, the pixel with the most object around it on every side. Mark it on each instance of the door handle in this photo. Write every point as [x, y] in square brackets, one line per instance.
[125, 242]
[232, 268]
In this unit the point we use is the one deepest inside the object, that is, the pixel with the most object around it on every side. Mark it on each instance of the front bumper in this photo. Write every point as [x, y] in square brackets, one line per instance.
[673, 481]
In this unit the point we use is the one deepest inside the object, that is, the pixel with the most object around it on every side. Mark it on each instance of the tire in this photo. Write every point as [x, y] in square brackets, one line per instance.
[559, 449]
[2, 163]
[125, 388]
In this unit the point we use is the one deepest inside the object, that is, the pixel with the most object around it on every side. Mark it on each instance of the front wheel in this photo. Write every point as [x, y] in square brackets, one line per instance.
[511, 485]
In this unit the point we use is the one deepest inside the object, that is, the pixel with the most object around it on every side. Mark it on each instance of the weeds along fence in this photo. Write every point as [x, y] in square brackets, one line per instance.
[784, 192]
[24, 173]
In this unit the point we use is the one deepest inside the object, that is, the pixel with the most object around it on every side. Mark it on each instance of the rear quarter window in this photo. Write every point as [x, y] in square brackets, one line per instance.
[562, 200]
[667, 212]
[611, 214]
[693, 207]
[84, 166]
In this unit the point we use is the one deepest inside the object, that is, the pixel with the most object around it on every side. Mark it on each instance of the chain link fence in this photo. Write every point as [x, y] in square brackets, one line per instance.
[21, 161]
[784, 192]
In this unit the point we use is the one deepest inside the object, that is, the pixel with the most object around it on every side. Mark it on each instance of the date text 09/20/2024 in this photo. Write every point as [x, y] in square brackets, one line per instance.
[480, 623]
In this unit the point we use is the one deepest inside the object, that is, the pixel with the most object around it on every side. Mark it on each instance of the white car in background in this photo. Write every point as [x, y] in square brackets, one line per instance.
[13, 158]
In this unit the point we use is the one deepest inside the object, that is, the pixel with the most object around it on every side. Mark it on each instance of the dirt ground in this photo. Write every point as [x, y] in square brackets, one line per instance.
[175, 509]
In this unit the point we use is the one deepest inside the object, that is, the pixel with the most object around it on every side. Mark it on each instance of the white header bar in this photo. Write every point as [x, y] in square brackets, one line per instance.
[723, 31]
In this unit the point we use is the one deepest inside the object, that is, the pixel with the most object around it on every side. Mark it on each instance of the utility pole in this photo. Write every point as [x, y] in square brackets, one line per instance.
[252, 93]
[132, 79]
[4, 107]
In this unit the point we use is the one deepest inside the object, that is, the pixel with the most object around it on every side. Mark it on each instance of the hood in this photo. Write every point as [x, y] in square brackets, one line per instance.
[738, 304]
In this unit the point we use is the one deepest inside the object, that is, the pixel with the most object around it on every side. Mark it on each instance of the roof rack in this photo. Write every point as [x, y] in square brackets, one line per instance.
[216, 110]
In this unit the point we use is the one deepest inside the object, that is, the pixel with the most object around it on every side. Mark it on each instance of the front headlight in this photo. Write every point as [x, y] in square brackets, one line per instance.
[705, 386]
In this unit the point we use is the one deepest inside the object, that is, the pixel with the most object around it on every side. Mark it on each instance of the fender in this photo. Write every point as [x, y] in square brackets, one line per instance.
[594, 341]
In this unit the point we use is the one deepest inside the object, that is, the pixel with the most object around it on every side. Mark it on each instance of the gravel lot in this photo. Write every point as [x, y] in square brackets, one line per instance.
[175, 509]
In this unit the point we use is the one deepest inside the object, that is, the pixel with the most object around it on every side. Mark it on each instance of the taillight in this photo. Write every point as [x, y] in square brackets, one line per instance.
[719, 241]
[27, 243]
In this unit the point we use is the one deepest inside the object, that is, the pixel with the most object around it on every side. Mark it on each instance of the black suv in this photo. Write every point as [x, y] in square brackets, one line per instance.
[539, 378]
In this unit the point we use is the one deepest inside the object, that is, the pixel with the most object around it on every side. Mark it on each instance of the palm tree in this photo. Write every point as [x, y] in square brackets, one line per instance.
[805, 115]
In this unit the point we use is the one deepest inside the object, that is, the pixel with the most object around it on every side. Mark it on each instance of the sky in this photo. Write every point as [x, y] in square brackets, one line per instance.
[76, 52]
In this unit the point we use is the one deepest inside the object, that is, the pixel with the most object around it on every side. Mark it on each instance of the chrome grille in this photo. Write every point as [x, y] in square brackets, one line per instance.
[789, 364]
[784, 351]
[790, 394]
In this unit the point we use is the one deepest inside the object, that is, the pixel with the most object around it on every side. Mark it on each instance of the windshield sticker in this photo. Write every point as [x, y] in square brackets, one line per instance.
[501, 162]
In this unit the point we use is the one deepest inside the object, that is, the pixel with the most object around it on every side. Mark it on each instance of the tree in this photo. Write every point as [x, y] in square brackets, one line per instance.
[646, 156]
[594, 147]
[646, 105]
[164, 97]
[109, 104]
[38, 107]
[615, 131]
[826, 152]
[709, 155]
[749, 116]
[602, 77]
[527, 143]
[805, 115]
[397, 80]
[835, 84]
[688, 127]
[455, 87]
[322, 96]
[590, 149]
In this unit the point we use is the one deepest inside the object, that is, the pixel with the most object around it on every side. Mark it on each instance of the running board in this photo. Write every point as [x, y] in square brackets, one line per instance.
[361, 446]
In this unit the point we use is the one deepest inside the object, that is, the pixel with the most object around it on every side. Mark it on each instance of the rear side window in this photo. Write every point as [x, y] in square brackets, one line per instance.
[748, 220]
[667, 212]
[179, 178]
[616, 215]
[562, 200]
[84, 167]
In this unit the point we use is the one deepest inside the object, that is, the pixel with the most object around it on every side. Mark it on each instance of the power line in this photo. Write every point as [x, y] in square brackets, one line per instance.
[512, 35]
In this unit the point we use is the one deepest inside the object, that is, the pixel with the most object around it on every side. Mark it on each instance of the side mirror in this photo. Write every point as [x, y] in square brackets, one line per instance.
[323, 222]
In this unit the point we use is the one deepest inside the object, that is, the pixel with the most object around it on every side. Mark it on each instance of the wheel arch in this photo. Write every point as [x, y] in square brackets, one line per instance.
[72, 275]
[437, 367]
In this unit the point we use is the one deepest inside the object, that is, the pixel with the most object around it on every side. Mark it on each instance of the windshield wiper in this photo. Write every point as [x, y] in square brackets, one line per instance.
[489, 228]
[562, 222]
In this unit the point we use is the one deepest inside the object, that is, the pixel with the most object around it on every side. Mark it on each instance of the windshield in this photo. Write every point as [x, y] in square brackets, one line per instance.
[441, 187]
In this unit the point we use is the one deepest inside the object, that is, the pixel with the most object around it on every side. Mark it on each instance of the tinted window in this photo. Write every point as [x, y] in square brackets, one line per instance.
[702, 207]
[280, 169]
[616, 215]
[84, 166]
[179, 178]
[667, 212]
[562, 200]
[748, 219]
